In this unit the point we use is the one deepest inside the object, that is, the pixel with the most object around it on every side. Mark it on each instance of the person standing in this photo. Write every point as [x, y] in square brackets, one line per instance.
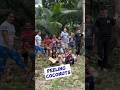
[7, 32]
[65, 38]
[78, 37]
[7, 35]
[38, 41]
[104, 25]
[72, 40]
[89, 35]
[27, 38]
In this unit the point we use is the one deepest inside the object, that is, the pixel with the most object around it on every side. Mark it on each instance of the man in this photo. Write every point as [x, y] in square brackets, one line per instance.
[65, 38]
[7, 34]
[104, 25]
[38, 45]
[38, 39]
[78, 37]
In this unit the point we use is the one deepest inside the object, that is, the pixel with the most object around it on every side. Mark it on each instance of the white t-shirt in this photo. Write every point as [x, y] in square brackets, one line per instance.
[38, 40]
[6, 26]
[65, 37]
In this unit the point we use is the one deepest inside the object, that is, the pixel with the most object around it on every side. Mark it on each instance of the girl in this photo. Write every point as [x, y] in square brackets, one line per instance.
[68, 57]
[47, 42]
[72, 40]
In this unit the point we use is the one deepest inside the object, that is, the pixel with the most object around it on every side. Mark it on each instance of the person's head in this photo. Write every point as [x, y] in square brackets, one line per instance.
[78, 29]
[28, 26]
[65, 29]
[72, 34]
[46, 36]
[54, 36]
[104, 12]
[59, 38]
[88, 19]
[11, 17]
[39, 33]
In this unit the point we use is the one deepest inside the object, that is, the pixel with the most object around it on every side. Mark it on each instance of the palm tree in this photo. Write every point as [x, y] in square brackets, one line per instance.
[53, 16]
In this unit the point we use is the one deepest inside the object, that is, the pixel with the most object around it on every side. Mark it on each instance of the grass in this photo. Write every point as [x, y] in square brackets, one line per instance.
[110, 80]
[74, 82]
[16, 82]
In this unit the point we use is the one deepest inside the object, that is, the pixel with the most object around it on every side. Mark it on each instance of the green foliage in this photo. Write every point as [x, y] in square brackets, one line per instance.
[56, 13]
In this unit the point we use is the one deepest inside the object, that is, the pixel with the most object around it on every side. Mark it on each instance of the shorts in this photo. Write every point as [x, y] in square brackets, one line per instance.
[65, 45]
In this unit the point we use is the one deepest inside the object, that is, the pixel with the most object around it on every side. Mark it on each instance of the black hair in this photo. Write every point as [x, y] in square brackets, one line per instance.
[103, 8]
[10, 12]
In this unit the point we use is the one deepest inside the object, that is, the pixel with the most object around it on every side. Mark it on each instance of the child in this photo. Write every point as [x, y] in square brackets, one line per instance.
[27, 39]
[25, 49]
[68, 57]
[59, 46]
[60, 59]
[78, 38]
[89, 35]
[72, 40]
[90, 75]
[54, 52]
[47, 42]
[40, 51]
[54, 41]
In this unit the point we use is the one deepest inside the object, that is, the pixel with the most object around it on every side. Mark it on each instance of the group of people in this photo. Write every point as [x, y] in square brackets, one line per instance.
[98, 38]
[10, 52]
[61, 48]
[58, 49]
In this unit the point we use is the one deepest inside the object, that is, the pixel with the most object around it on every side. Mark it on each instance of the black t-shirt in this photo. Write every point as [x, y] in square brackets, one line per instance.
[104, 26]
[78, 37]
[89, 31]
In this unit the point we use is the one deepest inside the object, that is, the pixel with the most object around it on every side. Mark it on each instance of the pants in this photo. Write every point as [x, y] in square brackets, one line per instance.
[25, 56]
[78, 48]
[32, 58]
[89, 81]
[103, 47]
[5, 53]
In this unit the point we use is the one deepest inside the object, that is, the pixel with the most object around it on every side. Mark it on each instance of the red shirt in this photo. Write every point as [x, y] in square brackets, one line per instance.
[47, 42]
[27, 38]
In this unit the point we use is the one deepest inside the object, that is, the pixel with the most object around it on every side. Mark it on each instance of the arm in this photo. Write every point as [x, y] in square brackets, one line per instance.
[61, 35]
[5, 37]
